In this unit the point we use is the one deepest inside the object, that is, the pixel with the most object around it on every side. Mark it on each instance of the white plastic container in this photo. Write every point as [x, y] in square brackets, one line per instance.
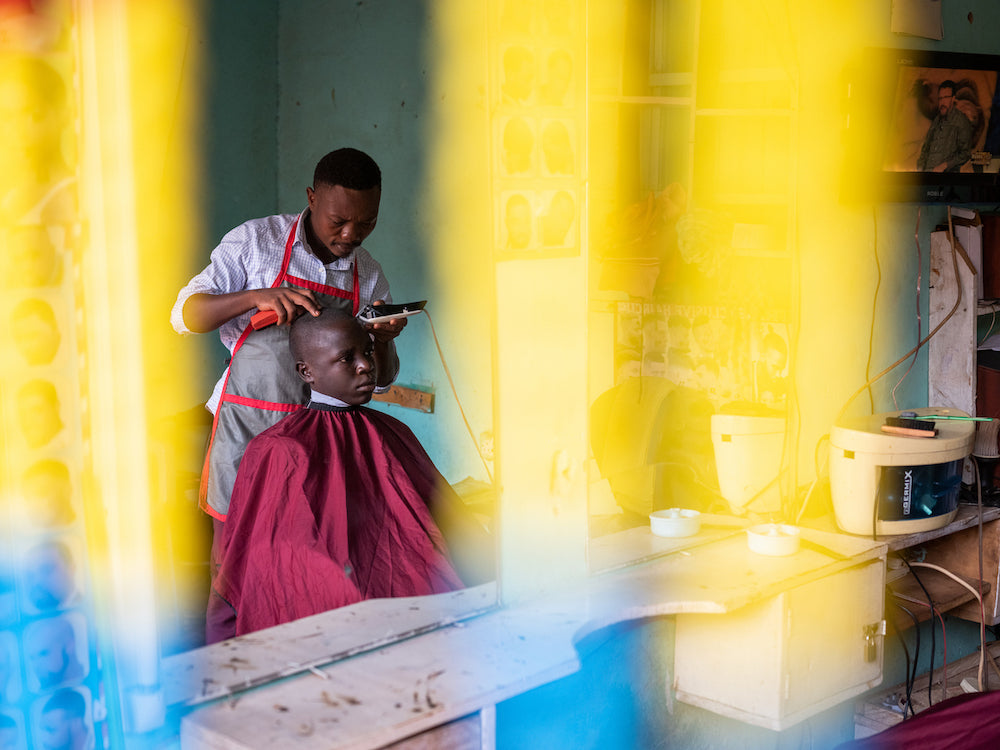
[861, 453]
[748, 458]
[774, 539]
[675, 522]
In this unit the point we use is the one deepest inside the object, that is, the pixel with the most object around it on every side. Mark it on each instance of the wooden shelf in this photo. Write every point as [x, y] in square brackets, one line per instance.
[945, 592]
[968, 516]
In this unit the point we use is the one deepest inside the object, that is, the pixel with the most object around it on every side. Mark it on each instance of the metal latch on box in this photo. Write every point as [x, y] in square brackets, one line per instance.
[872, 633]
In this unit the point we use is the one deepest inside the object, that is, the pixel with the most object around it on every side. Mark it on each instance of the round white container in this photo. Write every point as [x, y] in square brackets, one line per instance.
[774, 539]
[675, 522]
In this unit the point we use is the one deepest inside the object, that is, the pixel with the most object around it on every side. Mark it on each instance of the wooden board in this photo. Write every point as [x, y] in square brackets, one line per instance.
[639, 544]
[959, 553]
[408, 687]
[967, 517]
[951, 353]
[945, 592]
[224, 669]
[409, 398]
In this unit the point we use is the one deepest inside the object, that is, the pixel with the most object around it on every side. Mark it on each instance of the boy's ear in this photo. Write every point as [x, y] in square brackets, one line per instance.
[304, 372]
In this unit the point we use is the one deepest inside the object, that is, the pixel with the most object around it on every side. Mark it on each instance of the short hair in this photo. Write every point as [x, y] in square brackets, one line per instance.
[304, 328]
[947, 84]
[68, 700]
[349, 168]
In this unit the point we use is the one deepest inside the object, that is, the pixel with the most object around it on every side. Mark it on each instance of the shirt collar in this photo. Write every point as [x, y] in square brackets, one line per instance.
[322, 398]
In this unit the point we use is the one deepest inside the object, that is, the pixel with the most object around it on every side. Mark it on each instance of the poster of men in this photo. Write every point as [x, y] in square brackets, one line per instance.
[727, 354]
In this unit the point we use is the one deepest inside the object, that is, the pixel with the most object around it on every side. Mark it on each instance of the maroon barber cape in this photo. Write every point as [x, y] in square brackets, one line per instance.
[963, 722]
[332, 506]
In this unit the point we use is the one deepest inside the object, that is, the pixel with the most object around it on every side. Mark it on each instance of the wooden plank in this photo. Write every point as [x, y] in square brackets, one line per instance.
[408, 398]
[951, 357]
[945, 592]
[967, 517]
[380, 696]
[408, 687]
[462, 734]
[959, 553]
[224, 669]
[639, 544]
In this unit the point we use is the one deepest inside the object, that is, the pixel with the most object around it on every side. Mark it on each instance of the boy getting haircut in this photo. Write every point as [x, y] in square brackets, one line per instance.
[338, 503]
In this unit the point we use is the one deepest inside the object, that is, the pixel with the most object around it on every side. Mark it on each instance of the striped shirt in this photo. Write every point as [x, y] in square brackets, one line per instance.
[249, 257]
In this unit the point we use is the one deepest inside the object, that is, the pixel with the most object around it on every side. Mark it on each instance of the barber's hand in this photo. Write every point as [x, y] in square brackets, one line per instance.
[286, 302]
[387, 330]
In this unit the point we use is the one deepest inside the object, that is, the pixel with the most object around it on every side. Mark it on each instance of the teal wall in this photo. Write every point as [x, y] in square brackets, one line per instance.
[284, 83]
[238, 49]
[357, 74]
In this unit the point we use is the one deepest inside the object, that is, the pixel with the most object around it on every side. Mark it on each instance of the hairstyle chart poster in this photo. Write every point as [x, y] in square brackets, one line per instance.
[52, 693]
[726, 354]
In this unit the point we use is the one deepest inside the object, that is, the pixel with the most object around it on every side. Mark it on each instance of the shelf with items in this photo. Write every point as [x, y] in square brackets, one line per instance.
[945, 592]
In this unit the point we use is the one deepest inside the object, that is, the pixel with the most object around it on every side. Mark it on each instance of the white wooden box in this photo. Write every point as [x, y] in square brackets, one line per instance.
[778, 662]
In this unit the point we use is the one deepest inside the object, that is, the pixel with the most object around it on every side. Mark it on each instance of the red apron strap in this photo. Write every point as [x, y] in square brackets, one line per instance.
[288, 254]
[259, 403]
[354, 295]
[356, 291]
[203, 484]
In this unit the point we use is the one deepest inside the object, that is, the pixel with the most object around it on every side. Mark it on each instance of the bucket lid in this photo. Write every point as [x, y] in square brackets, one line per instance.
[865, 435]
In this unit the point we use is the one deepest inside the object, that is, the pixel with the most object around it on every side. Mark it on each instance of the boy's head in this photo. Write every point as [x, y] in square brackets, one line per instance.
[334, 355]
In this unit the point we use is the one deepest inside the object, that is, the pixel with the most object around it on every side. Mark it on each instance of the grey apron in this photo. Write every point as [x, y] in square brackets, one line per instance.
[261, 388]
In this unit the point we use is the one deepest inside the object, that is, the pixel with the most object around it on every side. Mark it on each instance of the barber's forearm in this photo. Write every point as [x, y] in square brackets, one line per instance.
[386, 362]
[206, 312]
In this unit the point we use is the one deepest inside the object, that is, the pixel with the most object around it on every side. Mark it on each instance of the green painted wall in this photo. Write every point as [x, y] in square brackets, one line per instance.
[283, 84]
[357, 74]
[238, 47]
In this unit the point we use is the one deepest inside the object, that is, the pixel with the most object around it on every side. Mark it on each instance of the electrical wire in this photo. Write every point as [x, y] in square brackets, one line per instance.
[944, 648]
[982, 614]
[878, 285]
[906, 655]
[930, 603]
[979, 526]
[816, 470]
[454, 392]
[910, 678]
[916, 348]
[944, 656]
